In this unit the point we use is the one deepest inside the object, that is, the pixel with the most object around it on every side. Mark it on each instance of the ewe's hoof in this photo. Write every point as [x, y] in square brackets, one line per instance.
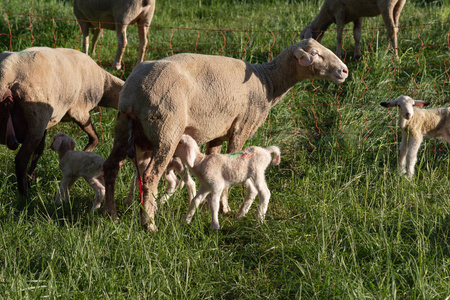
[110, 214]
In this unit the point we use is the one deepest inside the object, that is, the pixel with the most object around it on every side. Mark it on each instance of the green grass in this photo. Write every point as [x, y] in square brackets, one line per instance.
[341, 223]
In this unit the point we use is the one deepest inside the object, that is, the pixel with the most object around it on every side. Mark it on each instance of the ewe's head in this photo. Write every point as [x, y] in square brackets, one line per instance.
[405, 104]
[187, 150]
[62, 139]
[318, 62]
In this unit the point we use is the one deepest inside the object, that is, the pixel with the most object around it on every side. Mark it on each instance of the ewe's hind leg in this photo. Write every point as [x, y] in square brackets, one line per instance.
[264, 196]
[85, 30]
[86, 125]
[142, 30]
[121, 32]
[357, 35]
[113, 163]
[95, 39]
[251, 194]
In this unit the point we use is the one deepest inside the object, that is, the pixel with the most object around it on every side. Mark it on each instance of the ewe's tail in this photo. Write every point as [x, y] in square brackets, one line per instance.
[277, 154]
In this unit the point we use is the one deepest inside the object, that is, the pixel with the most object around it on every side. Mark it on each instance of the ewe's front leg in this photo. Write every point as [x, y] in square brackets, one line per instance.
[411, 156]
[357, 35]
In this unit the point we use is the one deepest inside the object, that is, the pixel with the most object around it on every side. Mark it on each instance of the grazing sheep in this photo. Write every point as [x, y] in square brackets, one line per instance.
[342, 12]
[40, 87]
[211, 98]
[76, 164]
[175, 166]
[115, 15]
[217, 171]
[417, 123]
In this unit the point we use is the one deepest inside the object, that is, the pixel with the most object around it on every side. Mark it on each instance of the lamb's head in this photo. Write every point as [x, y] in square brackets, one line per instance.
[187, 150]
[318, 62]
[405, 105]
[61, 139]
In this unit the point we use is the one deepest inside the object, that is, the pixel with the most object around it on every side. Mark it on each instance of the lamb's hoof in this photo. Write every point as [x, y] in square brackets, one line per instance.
[150, 227]
[226, 209]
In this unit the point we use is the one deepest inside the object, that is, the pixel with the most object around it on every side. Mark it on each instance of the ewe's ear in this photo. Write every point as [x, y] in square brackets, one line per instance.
[304, 58]
[421, 103]
[388, 103]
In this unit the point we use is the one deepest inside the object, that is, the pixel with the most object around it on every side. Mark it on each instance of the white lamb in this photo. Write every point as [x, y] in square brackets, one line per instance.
[217, 171]
[76, 164]
[417, 123]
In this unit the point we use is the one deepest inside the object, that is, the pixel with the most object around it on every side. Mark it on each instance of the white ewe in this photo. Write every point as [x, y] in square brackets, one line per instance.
[212, 98]
[342, 12]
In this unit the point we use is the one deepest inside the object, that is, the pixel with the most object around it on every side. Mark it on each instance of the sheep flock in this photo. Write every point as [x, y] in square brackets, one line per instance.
[166, 108]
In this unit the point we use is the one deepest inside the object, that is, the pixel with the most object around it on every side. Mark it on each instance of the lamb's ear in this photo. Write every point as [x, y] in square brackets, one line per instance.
[72, 144]
[56, 144]
[389, 103]
[421, 103]
[304, 58]
[190, 156]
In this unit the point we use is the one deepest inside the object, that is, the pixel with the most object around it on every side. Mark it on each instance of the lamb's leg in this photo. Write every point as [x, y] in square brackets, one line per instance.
[411, 157]
[63, 192]
[85, 123]
[402, 154]
[98, 185]
[214, 206]
[172, 183]
[264, 196]
[203, 191]
[121, 32]
[113, 163]
[251, 194]
[190, 185]
[357, 35]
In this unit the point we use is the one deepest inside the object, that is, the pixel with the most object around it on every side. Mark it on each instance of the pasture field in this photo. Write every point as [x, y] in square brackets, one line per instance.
[341, 224]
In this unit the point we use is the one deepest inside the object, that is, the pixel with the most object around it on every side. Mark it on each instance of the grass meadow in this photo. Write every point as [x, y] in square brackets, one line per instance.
[341, 224]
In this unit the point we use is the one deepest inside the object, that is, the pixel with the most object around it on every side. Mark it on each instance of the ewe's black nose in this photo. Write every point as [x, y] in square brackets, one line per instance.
[408, 116]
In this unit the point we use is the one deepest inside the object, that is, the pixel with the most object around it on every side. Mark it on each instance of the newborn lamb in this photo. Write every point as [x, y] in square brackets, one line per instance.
[217, 171]
[76, 164]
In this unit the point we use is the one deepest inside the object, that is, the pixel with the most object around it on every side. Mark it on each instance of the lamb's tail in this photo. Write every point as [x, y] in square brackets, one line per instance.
[277, 154]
